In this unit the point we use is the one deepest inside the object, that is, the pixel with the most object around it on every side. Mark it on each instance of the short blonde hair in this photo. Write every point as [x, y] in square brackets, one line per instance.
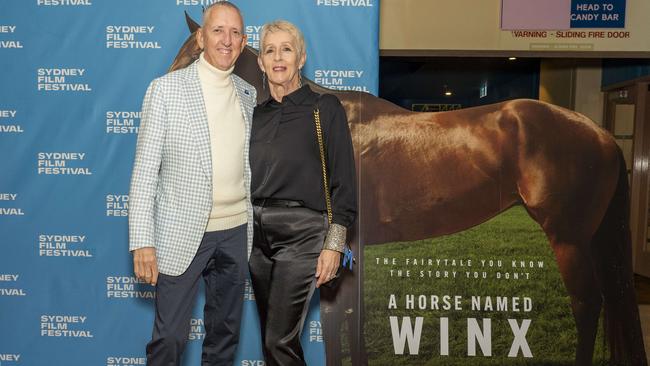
[283, 26]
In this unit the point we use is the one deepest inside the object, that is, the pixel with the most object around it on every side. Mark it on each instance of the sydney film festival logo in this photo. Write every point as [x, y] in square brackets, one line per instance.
[122, 122]
[131, 37]
[10, 199]
[346, 3]
[63, 245]
[8, 37]
[249, 294]
[128, 287]
[125, 361]
[117, 205]
[62, 80]
[72, 326]
[62, 163]
[8, 122]
[195, 2]
[64, 2]
[197, 329]
[9, 285]
[9, 359]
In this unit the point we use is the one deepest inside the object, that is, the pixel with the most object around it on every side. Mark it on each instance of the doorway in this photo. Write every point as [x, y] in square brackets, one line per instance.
[627, 117]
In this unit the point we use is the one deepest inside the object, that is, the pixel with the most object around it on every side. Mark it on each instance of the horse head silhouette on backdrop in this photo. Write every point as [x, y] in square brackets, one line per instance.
[425, 175]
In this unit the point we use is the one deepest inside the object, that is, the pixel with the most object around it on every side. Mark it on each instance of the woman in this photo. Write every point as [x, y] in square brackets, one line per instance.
[295, 249]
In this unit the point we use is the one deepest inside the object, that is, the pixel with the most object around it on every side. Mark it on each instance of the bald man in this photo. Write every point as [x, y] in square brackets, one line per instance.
[190, 214]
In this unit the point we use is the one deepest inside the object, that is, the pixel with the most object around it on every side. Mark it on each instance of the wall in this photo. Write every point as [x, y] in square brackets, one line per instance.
[471, 25]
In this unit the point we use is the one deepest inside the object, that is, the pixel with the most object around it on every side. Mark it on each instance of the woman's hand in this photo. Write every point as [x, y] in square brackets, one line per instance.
[328, 264]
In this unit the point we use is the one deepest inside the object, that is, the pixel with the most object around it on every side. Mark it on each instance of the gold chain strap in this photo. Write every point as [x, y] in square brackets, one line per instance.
[319, 135]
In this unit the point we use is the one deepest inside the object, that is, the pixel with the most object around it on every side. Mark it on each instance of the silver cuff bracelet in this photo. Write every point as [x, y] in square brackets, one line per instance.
[335, 239]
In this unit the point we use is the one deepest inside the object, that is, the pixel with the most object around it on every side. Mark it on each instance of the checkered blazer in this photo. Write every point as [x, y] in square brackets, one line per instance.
[171, 184]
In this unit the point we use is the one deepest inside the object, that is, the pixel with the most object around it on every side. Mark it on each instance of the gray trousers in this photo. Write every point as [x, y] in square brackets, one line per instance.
[222, 262]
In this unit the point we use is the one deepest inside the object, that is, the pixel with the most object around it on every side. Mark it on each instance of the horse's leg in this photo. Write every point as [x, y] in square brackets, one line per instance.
[338, 306]
[567, 181]
[331, 315]
[570, 216]
[575, 265]
[593, 250]
[622, 324]
[571, 245]
[343, 305]
[569, 221]
[612, 246]
[355, 317]
[596, 263]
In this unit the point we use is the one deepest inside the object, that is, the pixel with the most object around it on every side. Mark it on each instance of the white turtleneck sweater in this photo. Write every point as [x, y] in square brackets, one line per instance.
[227, 134]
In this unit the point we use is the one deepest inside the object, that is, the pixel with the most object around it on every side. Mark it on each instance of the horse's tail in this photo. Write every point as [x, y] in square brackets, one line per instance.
[612, 248]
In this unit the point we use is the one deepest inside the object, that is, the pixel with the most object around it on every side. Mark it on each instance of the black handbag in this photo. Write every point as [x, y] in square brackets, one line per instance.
[347, 258]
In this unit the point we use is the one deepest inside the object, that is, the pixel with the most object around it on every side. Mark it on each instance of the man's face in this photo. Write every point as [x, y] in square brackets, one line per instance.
[221, 37]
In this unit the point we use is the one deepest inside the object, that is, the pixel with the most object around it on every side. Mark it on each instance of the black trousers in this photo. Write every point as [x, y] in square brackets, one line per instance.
[221, 261]
[286, 246]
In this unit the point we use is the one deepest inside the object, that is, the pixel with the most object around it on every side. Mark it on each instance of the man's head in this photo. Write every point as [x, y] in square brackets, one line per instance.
[222, 36]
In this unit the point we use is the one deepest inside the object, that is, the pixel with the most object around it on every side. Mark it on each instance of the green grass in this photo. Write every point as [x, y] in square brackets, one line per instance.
[509, 236]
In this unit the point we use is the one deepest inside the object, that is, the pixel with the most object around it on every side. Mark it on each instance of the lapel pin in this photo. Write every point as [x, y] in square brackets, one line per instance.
[246, 92]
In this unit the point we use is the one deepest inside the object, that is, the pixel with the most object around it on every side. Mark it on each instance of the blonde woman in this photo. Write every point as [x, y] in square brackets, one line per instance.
[295, 249]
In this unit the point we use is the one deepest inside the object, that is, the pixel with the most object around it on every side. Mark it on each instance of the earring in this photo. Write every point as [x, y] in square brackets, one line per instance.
[264, 80]
[300, 77]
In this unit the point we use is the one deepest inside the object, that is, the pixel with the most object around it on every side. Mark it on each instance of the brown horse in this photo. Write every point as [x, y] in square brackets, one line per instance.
[423, 175]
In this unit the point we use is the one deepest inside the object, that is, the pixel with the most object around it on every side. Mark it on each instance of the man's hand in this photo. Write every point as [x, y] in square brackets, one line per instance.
[328, 263]
[145, 265]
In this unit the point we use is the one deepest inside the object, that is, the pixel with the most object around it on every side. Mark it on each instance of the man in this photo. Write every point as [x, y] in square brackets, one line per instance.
[190, 212]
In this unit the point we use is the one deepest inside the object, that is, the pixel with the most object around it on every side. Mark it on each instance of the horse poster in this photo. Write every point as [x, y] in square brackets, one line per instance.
[495, 235]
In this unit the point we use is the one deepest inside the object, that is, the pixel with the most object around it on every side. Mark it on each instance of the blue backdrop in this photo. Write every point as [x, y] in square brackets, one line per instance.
[72, 77]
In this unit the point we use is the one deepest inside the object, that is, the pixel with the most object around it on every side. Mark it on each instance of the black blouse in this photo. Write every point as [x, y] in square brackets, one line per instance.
[285, 158]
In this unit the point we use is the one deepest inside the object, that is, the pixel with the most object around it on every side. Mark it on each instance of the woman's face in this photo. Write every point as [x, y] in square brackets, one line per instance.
[280, 60]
